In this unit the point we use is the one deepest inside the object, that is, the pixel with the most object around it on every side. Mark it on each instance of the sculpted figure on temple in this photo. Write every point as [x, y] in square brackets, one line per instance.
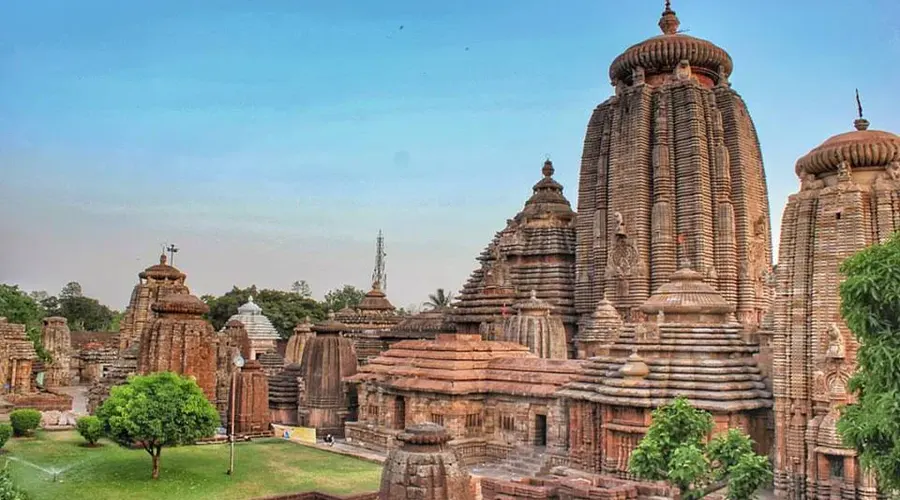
[683, 70]
[620, 224]
[637, 76]
[843, 171]
[723, 76]
[836, 347]
[892, 172]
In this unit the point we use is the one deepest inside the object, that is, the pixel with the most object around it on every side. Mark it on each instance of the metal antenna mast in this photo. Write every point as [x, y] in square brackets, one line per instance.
[379, 276]
[172, 249]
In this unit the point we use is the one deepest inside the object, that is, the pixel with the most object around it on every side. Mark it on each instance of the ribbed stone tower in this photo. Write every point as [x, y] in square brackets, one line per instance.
[233, 340]
[57, 341]
[536, 251]
[672, 170]
[293, 353]
[849, 198]
[260, 330]
[251, 400]
[179, 340]
[156, 282]
[535, 327]
[424, 468]
[602, 327]
[327, 360]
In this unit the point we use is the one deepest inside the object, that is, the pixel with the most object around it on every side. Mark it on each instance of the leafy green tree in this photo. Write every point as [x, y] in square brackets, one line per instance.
[870, 305]
[71, 290]
[675, 450]
[17, 307]
[85, 313]
[284, 309]
[90, 429]
[439, 299]
[302, 289]
[157, 410]
[345, 296]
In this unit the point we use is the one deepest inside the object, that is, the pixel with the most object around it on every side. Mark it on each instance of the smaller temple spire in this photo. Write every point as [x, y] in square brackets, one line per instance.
[860, 123]
[669, 22]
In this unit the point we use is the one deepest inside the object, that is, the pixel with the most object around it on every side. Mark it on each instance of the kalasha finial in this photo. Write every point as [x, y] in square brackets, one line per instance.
[860, 123]
[669, 22]
[548, 169]
[162, 259]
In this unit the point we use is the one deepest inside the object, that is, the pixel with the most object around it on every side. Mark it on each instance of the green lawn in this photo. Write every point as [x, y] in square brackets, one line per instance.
[263, 467]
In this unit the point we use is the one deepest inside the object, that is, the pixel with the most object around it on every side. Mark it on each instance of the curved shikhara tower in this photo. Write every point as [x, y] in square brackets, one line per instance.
[671, 176]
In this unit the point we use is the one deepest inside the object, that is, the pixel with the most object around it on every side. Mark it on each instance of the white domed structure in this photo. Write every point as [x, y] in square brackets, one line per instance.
[259, 329]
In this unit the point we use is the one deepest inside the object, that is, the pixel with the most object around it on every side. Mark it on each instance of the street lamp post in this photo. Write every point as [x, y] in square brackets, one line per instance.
[238, 361]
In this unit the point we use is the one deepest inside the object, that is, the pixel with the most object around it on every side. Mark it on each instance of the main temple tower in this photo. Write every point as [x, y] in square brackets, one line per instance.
[671, 175]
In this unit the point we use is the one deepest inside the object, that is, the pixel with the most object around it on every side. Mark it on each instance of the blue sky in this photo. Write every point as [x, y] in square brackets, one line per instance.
[272, 139]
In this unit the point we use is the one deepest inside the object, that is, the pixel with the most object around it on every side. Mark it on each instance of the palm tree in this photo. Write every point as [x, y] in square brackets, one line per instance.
[439, 299]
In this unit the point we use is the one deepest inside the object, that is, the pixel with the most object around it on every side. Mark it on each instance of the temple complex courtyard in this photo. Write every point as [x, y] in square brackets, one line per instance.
[263, 468]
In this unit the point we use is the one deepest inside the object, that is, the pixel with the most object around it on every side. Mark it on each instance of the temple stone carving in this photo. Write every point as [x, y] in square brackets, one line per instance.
[849, 198]
[368, 321]
[155, 282]
[537, 328]
[260, 330]
[233, 340]
[181, 341]
[286, 389]
[293, 353]
[251, 400]
[424, 468]
[328, 358]
[689, 345]
[671, 171]
[17, 356]
[57, 341]
[93, 353]
[536, 251]
[599, 330]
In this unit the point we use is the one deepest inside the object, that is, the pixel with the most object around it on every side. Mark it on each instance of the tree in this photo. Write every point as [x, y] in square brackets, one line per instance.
[284, 309]
[90, 429]
[675, 450]
[85, 313]
[71, 290]
[155, 411]
[439, 299]
[302, 289]
[345, 296]
[870, 306]
[17, 307]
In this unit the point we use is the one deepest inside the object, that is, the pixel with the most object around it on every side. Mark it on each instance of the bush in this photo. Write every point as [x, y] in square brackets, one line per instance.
[8, 490]
[90, 429]
[24, 421]
[5, 433]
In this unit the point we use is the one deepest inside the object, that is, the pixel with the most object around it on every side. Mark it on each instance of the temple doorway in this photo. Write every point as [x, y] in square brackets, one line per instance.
[399, 412]
[540, 430]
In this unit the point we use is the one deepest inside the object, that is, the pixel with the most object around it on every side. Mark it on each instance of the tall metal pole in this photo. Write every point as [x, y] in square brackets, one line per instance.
[231, 458]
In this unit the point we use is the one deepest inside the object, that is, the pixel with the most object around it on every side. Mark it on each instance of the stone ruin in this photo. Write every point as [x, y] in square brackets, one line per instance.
[849, 198]
[233, 340]
[599, 330]
[251, 401]
[17, 355]
[328, 358]
[154, 283]
[424, 468]
[179, 340]
[293, 353]
[57, 341]
[366, 322]
[93, 354]
[535, 327]
[536, 251]
[286, 390]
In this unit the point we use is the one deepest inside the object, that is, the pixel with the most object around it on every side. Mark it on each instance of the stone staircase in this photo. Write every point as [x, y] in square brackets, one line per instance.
[522, 463]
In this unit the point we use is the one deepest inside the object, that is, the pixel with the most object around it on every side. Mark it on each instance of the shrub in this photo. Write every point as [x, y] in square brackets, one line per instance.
[5, 433]
[90, 429]
[24, 421]
[8, 490]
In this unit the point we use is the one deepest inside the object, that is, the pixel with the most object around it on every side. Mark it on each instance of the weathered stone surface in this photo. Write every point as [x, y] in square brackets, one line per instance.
[598, 331]
[293, 353]
[251, 400]
[17, 356]
[125, 365]
[57, 341]
[535, 327]
[672, 170]
[328, 358]
[233, 340]
[536, 251]
[156, 282]
[93, 354]
[689, 345]
[425, 468]
[849, 198]
[372, 317]
[181, 341]
[286, 389]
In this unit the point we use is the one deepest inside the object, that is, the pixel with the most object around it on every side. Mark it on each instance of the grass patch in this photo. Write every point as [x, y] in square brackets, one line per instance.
[263, 467]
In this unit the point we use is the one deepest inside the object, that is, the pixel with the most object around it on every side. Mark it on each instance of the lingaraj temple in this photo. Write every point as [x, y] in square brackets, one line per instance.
[578, 320]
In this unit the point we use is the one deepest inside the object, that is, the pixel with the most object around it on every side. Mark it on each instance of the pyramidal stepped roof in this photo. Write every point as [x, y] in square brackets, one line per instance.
[255, 322]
